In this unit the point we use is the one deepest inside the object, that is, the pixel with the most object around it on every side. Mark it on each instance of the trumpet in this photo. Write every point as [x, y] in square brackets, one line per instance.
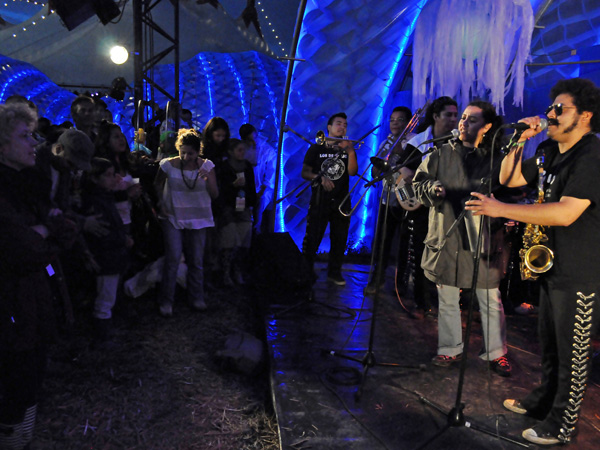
[386, 150]
[321, 139]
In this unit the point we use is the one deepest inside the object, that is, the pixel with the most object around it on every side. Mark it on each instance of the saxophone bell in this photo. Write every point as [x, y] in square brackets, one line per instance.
[537, 259]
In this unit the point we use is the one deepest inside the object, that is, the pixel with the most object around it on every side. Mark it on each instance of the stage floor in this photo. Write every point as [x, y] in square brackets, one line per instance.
[318, 353]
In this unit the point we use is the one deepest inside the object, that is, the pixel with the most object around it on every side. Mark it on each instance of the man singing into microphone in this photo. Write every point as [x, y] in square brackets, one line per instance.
[443, 182]
[329, 167]
[569, 292]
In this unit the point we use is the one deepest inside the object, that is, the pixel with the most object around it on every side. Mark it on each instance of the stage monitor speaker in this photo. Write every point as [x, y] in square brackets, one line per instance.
[74, 12]
[106, 10]
[278, 265]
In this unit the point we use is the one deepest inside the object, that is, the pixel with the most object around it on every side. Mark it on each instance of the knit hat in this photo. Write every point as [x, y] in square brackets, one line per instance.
[77, 148]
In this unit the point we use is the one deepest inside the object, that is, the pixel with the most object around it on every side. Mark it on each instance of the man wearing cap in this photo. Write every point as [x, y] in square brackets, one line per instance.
[61, 168]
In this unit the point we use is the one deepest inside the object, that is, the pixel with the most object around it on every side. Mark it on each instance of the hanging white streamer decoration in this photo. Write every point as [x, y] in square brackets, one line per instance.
[472, 48]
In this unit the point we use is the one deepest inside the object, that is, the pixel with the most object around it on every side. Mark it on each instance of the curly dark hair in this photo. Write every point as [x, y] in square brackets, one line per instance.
[435, 108]
[188, 137]
[489, 116]
[586, 97]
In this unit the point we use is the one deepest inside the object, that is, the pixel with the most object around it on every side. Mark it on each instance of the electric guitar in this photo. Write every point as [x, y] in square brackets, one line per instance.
[405, 194]
[403, 189]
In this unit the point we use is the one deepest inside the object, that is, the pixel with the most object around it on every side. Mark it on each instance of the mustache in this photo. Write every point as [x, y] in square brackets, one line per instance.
[552, 122]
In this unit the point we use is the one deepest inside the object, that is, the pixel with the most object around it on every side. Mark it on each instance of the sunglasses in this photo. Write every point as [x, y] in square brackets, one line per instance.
[558, 109]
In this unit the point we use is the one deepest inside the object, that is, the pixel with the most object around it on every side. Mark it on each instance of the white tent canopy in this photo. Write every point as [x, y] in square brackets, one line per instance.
[81, 56]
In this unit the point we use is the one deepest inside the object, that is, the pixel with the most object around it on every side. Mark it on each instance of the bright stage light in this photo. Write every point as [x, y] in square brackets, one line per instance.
[119, 54]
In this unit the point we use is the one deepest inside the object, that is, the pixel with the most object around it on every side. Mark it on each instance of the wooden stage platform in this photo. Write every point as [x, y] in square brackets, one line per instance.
[319, 354]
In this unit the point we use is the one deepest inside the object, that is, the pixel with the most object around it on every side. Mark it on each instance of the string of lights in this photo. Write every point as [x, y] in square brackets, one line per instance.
[33, 22]
[271, 27]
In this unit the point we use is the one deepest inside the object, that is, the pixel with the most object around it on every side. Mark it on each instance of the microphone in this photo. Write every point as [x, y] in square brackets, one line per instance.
[520, 126]
[453, 134]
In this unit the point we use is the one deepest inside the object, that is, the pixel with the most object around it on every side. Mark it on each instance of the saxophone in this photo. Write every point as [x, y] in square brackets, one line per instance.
[536, 258]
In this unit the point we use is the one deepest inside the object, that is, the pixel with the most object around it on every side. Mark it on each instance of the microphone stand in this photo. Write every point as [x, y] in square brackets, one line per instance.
[455, 417]
[368, 360]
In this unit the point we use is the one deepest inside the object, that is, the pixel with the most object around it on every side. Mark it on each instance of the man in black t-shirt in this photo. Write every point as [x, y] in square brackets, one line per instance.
[568, 314]
[334, 161]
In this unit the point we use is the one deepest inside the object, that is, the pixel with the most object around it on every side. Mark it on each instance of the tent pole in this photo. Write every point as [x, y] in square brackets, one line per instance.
[286, 95]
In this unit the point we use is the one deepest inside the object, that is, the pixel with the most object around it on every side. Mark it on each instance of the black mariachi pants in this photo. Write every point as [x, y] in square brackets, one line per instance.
[566, 323]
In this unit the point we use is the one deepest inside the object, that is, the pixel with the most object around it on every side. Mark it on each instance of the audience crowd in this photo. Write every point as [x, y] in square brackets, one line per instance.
[88, 217]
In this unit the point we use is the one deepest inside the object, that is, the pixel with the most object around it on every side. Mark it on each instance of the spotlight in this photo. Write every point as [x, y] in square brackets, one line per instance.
[117, 91]
[119, 54]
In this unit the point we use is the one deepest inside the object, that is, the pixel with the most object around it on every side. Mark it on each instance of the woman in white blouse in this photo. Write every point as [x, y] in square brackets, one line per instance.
[185, 186]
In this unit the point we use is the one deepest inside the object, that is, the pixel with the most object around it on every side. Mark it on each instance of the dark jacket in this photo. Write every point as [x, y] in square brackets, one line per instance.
[109, 251]
[27, 319]
[449, 259]
[228, 194]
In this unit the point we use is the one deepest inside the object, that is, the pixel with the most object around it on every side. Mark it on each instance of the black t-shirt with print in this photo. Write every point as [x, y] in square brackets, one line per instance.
[322, 158]
[575, 173]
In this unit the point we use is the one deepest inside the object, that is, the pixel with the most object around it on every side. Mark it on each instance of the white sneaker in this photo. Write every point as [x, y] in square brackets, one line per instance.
[514, 405]
[541, 439]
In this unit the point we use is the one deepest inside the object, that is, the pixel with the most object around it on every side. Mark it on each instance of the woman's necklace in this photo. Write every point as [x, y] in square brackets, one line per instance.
[185, 180]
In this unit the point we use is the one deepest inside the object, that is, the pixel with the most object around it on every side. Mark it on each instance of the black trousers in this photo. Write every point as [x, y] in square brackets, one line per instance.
[21, 376]
[566, 322]
[410, 251]
[323, 211]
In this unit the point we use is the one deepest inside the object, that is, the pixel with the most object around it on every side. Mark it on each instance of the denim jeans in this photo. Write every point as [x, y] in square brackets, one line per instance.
[106, 295]
[190, 243]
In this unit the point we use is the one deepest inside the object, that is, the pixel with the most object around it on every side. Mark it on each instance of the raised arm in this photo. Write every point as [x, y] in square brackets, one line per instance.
[510, 170]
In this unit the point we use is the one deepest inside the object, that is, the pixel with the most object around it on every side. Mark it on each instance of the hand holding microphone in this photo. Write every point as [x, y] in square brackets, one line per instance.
[527, 128]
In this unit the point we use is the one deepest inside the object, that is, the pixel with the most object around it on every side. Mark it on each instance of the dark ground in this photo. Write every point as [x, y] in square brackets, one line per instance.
[160, 385]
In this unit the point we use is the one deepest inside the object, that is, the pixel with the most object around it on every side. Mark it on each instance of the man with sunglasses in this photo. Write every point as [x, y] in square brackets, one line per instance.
[569, 291]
